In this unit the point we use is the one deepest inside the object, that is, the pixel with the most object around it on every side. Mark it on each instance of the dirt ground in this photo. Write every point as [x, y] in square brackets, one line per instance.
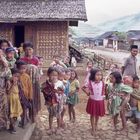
[80, 130]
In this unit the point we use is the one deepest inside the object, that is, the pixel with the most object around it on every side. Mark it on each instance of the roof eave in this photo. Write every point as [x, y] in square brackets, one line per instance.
[10, 20]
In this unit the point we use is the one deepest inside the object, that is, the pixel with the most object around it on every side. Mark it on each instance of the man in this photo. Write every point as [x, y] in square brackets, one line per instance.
[129, 67]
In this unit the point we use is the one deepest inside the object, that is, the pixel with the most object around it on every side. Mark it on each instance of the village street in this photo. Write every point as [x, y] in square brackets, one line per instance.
[118, 56]
[81, 129]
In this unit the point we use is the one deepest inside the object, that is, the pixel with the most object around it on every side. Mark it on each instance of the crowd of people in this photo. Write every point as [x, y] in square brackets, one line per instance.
[117, 94]
[19, 86]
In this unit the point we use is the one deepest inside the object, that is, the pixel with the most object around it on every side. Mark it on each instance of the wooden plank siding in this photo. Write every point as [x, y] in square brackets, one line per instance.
[49, 38]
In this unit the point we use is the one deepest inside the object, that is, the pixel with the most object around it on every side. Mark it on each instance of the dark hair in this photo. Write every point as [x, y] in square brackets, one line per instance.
[10, 49]
[27, 45]
[76, 76]
[51, 69]
[67, 70]
[90, 61]
[93, 73]
[133, 47]
[20, 63]
[117, 76]
[135, 78]
[14, 71]
[4, 41]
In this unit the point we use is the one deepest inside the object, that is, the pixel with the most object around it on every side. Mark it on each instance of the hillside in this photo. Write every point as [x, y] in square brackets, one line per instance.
[126, 23]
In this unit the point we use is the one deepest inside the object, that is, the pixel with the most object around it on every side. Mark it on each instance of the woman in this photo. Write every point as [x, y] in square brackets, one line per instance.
[33, 71]
[5, 75]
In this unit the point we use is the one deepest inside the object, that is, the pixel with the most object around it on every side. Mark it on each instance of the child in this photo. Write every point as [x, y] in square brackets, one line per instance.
[89, 66]
[29, 58]
[27, 90]
[135, 102]
[10, 53]
[4, 44]
[95, 89]
[14, 100]
[73, 95]
[118, 98]
[64, 76]
[52, 90]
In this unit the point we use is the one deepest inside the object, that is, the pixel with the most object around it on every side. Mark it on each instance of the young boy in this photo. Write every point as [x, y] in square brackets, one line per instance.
[27, 89]
[10, 53]
[135, 102]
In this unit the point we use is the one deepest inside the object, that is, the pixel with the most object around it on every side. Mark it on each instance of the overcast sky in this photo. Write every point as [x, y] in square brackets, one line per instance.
[99, 11]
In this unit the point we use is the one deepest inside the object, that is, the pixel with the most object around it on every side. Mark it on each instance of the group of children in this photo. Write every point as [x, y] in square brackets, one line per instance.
[61, 92]
[121, 95]
[19, 89]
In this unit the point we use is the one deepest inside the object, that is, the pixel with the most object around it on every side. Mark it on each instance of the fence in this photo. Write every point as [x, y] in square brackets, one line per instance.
[101, 61]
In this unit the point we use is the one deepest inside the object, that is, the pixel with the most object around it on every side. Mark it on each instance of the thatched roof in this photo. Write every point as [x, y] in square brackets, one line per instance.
[42, 10]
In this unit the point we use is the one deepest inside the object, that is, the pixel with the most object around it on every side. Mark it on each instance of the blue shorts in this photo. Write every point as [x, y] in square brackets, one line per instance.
[133, 112]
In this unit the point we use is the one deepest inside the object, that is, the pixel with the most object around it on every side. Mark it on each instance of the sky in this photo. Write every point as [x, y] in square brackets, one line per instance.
[99, 11]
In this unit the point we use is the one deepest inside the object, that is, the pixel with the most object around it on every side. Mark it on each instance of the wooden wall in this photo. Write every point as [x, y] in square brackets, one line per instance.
[52, 39]
[6, 32]
[48, 38]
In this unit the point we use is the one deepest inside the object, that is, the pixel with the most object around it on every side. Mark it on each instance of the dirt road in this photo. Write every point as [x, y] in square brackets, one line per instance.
[80, 130]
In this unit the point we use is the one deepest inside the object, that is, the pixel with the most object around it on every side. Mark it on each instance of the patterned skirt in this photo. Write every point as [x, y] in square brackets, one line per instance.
[36, 98]
[3, 108]
[95, 108]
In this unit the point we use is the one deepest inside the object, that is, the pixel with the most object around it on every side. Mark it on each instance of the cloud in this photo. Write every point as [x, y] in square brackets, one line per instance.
[99, 11]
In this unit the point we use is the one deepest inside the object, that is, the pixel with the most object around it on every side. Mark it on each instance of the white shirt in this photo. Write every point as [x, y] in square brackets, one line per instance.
[96, 91]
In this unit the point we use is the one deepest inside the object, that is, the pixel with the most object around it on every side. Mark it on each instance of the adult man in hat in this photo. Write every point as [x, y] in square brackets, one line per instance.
[130, 65]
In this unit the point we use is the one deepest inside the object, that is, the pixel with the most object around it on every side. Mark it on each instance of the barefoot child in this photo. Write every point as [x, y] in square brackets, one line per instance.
[51, 89]
[14, 100]
[73, 95]
[27, 91]
[64, 76]
[95, 89]
[118, 98]
[135, 102]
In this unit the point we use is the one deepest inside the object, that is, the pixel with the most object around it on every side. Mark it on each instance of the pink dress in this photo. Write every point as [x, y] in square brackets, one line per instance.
[95, 105]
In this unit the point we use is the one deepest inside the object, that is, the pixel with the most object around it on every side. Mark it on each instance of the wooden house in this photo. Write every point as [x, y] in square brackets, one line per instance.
[133, 37]
[45, 23]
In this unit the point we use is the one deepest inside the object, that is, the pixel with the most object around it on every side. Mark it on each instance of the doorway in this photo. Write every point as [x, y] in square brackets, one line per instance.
[19, 31]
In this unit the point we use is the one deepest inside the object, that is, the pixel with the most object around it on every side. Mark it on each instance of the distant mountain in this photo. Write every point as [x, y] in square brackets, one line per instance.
[123, 24]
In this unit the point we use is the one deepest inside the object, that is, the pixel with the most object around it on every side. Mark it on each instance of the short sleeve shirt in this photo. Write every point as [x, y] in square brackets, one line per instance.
[130, 66]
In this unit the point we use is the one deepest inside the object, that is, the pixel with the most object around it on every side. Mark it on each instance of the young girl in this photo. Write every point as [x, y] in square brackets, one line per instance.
[89, 66]
[14, 100]
[52, 90]
[95, 89]
[73, 95]
[118, 98]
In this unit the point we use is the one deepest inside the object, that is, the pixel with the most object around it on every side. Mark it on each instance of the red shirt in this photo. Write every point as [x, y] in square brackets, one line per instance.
[34, 60]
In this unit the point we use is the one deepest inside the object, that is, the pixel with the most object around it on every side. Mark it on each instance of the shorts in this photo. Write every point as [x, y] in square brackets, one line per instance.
[54, 111]
[133, 112]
